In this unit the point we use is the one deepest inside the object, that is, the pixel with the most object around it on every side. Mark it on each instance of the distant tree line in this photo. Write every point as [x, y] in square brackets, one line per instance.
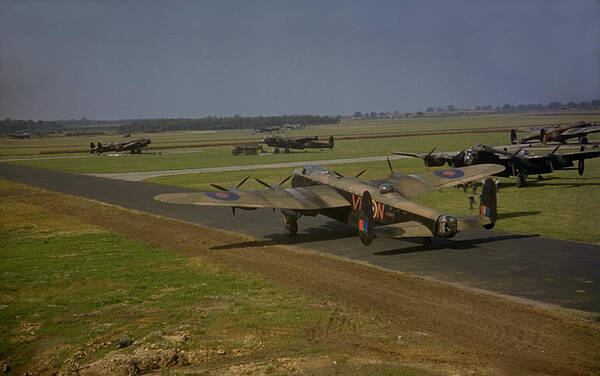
[214, 123]
[555, 105]
[8, 126]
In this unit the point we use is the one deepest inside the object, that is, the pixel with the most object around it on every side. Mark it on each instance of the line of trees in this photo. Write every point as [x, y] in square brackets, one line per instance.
[214, 123]
[555, 105]
[8, 126]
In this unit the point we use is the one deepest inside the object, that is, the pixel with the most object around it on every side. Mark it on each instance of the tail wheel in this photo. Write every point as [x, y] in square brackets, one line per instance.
[291, 225]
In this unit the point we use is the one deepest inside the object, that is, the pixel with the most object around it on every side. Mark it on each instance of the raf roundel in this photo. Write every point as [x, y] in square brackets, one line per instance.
[223, 196]
[450, 173]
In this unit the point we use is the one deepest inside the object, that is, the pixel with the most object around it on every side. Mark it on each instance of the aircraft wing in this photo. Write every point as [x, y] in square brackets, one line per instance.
[580, 155]
[409, 186]
[305, 198]
[447, 155]
[416, 185]
[581, 130]
[536, 129]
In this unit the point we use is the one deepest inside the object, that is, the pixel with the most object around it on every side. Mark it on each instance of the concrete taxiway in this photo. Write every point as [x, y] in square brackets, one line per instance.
[552, 271]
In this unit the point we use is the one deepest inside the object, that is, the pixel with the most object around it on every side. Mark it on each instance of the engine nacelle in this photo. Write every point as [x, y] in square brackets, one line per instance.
[446, 226]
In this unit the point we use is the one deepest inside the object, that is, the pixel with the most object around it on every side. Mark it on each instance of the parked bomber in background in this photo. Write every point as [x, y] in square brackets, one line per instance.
[247, 149]
[559, 133]
[133, 146]
[517, 163]
[19, 136]
[377, 208]
[273, 129]
[297, 143]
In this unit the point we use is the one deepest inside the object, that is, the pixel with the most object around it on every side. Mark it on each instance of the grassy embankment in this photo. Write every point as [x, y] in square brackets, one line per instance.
[72, 290]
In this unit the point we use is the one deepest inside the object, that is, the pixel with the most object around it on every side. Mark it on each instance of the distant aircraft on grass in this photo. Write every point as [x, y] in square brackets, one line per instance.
[133, 146]
[297, 143]
[559, 133]
[377, 208]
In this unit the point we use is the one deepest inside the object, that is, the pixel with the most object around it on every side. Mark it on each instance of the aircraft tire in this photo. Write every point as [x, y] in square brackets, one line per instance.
[521, 182]
[291, 225]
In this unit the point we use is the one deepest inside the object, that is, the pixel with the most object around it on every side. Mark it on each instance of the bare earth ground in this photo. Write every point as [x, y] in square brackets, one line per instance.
[441, 328]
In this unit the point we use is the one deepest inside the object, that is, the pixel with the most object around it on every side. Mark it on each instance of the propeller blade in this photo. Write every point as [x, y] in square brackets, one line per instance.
[219, 187]
[407, 154]
[517, 152]
[360, 173]
[389, 164]
[555, 149]
[432, 150]
[242, 182]
[262, 182]
[233, 210]
[338, 174]
[284, 180]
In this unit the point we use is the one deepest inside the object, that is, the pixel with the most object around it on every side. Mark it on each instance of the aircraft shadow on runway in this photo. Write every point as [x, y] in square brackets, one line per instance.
[330, 231]
[439, 244]
[333, 230]
[517, 214]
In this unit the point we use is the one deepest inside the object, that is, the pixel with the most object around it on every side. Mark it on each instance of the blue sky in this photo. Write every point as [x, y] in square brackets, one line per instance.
[148, 59]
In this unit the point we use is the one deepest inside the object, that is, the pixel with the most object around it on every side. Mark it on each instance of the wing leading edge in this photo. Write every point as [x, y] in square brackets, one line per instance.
[305, 198]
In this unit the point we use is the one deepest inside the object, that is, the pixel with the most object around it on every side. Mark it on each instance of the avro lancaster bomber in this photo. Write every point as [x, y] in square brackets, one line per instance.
[377, 208]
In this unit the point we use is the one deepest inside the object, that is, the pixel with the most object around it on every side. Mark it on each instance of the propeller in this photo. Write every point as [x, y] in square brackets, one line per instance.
[517, 152]
[357, 175]
[271, 186]
[284, 180]
[262, 182]
[219, 187]
[389, 164]
[360, 173]
[225, 189]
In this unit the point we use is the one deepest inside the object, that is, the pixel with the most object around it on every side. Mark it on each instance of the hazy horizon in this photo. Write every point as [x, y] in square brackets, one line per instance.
[186, 59]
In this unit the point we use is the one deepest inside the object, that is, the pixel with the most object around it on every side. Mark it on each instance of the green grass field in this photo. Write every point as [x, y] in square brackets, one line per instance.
[71, 291]
[347, 128]
[222, 156]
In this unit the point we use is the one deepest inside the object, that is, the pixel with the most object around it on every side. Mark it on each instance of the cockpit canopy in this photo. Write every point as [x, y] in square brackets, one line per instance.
[312, 170]
[482, 147]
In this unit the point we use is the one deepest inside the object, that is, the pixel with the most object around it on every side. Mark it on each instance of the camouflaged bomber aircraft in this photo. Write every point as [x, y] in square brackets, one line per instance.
[378, 208]
[559, 133]
[133, 146]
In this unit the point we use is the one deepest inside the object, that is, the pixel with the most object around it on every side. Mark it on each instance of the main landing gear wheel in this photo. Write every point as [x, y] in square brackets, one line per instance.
[291, 225]
[365, 219]
[521, 182]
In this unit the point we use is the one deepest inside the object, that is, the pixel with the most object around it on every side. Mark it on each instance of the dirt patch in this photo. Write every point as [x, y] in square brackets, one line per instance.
[435, 326]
